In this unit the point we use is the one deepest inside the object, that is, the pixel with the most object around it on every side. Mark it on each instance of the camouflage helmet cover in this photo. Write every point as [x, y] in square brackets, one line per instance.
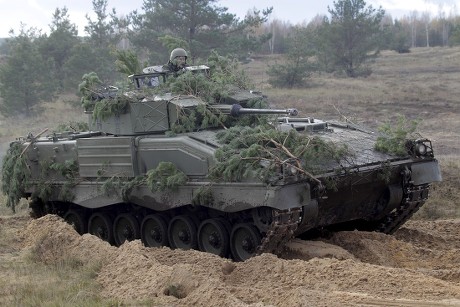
[177, 52]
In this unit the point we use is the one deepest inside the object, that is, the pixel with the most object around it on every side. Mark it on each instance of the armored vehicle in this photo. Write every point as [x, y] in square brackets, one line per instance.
[226, 176]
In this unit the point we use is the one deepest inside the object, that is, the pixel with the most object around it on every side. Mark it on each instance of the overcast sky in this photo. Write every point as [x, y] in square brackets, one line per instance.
[38, 13]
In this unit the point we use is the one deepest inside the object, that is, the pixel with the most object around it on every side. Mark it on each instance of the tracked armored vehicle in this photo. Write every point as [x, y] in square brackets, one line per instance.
[176, 171]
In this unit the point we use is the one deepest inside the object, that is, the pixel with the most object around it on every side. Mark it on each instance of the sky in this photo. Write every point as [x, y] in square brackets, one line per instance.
[38, 13]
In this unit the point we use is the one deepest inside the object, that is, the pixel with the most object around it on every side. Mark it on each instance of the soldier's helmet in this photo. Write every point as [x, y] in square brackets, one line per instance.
[178, 52]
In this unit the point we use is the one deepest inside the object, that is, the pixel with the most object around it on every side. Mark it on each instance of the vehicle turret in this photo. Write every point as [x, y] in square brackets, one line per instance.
[142, 111]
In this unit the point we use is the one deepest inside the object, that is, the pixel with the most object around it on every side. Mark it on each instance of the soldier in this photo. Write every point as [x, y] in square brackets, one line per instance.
[177, 60]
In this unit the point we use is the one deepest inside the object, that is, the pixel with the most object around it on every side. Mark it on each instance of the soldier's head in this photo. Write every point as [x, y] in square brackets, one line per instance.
[178, 57]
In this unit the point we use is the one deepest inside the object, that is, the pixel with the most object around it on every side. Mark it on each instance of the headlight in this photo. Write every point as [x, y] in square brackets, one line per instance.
[420, 149]
[264, 163]
[292, 170]
[289, 168]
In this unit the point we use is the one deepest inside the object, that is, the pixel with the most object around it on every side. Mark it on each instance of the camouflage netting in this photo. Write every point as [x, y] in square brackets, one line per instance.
[165, 177]
[15, 175]
[68, 170]
[266, 153]
[395, 137]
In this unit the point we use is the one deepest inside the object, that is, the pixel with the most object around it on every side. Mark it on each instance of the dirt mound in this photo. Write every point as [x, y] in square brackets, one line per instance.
[137, 274]
[306, 250]
[167, 276]
[329, 275]
[431, 248]
[190, 278]
[440, 234]
[52, 240]
[351, 268]
[377, 248]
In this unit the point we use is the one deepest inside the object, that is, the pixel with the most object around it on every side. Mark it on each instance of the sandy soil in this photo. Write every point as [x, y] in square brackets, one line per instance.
[418, 266]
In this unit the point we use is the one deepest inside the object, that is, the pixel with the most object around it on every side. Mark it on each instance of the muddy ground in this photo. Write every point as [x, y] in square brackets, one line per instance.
[417, 266]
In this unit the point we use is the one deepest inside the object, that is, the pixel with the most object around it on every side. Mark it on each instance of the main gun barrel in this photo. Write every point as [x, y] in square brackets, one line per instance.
[237, 110]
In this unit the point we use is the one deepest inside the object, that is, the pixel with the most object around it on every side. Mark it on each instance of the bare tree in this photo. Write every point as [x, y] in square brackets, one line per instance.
[426, 21]
[413, 21]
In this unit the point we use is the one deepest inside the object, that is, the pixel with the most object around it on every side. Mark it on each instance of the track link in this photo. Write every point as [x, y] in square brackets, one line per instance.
[414, 197]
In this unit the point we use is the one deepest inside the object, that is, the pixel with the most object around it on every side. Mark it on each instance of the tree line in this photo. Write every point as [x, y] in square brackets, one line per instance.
[35, 67]
[411, 31]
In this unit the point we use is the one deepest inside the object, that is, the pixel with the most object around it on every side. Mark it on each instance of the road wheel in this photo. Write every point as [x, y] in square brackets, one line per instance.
[244, 241]
[182, 232]
[77, 219]
[125, 228]
[154, 231]
[213, 237]
[100, 225]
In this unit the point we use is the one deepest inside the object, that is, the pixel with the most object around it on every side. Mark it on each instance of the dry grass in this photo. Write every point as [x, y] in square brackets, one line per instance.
[27, 283]
[66, 108]
[417, 85]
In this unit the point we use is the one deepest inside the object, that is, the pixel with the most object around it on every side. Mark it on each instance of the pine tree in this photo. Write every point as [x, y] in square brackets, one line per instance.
[350, 36]
[26, 77]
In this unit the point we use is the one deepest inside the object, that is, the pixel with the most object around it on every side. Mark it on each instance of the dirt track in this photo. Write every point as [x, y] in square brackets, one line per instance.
[418, 266]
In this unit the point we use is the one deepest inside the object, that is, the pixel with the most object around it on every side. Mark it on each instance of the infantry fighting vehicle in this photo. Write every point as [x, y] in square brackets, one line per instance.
[222, 177]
